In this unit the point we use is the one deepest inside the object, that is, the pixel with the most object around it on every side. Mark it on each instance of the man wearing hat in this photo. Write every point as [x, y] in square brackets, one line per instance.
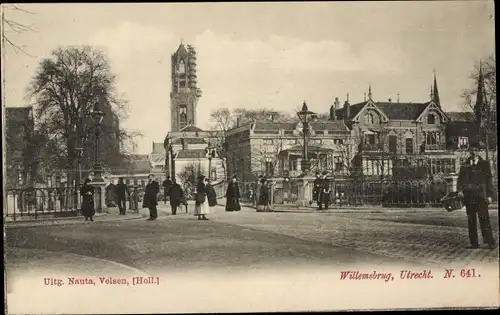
[324, 193]
[475, 187]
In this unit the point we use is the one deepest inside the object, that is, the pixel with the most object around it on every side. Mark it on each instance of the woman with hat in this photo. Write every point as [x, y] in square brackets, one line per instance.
[263, 204]
[201, 208]
[233, 196]
[87, 193]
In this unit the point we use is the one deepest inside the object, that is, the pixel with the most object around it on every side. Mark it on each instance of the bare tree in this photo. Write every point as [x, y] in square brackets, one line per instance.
[266, 157]
[482, 103]
[188, 177]
[10, 25]
[64, 89]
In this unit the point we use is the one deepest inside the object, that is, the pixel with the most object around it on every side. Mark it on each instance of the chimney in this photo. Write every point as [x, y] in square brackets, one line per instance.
[238, 119]
[347, 109]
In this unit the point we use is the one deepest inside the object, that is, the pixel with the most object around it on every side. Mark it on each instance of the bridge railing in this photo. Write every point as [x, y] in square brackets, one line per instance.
[41, 202]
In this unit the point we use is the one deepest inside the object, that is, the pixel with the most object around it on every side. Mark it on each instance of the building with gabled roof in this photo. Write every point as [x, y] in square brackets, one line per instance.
[272, 148]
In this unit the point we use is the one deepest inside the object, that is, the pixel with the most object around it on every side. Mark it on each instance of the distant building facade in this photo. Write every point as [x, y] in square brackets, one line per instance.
[19, 131]
[276, 148]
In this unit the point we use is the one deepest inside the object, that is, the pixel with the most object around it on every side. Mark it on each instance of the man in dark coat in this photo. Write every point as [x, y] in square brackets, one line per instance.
[176, 195]
[150, 200]
[316, 189]
[121, 195]
[324, 193]
[166, 186]
[475, 187]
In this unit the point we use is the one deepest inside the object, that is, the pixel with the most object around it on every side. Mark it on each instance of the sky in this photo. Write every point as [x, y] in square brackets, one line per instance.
[262, 55]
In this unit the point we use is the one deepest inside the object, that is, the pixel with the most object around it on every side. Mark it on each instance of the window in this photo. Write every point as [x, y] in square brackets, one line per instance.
[292, 164]
[370, 139]
[463, 142]
[182, 67]
[431, 138]
[393, 144]
[339, 141]
[339, 165]
[267, 142]
[409, 146]
[369, 119]
[214, 173]
[183, 116]
[269, 165]
[431, 119]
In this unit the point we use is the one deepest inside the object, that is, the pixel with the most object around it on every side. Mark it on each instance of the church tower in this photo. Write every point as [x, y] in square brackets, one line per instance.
[185, 92]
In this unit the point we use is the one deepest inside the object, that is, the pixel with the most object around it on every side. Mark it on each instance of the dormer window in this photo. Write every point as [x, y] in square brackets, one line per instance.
[463, 142]
[431, 119]
[183, 119]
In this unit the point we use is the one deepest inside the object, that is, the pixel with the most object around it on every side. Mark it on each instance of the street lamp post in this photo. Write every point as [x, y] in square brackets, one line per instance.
[210, 154]
[306, 117]
[98, 115]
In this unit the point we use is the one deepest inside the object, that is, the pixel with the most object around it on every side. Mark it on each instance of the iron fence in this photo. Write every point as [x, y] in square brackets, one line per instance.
[386, 193]
[41, 202]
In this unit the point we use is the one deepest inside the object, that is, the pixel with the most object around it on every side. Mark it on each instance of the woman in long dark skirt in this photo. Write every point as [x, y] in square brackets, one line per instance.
[87, 193]
[211, 194]
[233, 196]
[264, 195]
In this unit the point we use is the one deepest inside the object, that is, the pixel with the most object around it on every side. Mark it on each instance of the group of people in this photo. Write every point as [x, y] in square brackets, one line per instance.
[321, 191]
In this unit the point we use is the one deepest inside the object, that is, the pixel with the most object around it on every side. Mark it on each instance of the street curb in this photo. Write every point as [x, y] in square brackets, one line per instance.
[73, 220]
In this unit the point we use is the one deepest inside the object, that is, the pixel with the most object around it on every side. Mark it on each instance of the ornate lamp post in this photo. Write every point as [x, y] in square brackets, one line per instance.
[97, 116]
[306, 117]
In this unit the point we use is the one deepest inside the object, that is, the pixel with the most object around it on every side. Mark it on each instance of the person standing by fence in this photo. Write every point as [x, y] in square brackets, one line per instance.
[475, 187]
[233, 196]
[87, 193]
[121, 196]
[324, 193]
[317, 190]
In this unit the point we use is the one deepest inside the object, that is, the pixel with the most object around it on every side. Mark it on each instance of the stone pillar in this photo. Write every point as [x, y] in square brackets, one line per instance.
[305, 191]
[99, 196]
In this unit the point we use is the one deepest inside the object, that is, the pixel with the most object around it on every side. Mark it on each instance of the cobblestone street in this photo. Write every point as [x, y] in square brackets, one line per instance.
[434, 237]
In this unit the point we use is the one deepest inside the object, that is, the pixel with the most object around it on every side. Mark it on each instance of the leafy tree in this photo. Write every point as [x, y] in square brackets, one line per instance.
[65, 88]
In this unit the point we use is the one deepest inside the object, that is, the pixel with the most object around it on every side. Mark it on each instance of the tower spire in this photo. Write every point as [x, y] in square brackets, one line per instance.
[435, 91]
[370, 92]
[480, 96]
[398, 97]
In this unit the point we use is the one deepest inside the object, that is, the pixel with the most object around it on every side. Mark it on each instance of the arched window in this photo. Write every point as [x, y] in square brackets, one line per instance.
[183, 119]
[369, 119]
[431, 119]
[182, 67]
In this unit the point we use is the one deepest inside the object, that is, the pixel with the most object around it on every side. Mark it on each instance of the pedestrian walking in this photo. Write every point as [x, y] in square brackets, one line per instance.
[264, 200]
[233, 196]
[166, 186]
[324, 192]
[175, 195]
[211, 194]
[87, 193]
[476, 188]
[201, 208]
[122, 192]
[150, 199]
